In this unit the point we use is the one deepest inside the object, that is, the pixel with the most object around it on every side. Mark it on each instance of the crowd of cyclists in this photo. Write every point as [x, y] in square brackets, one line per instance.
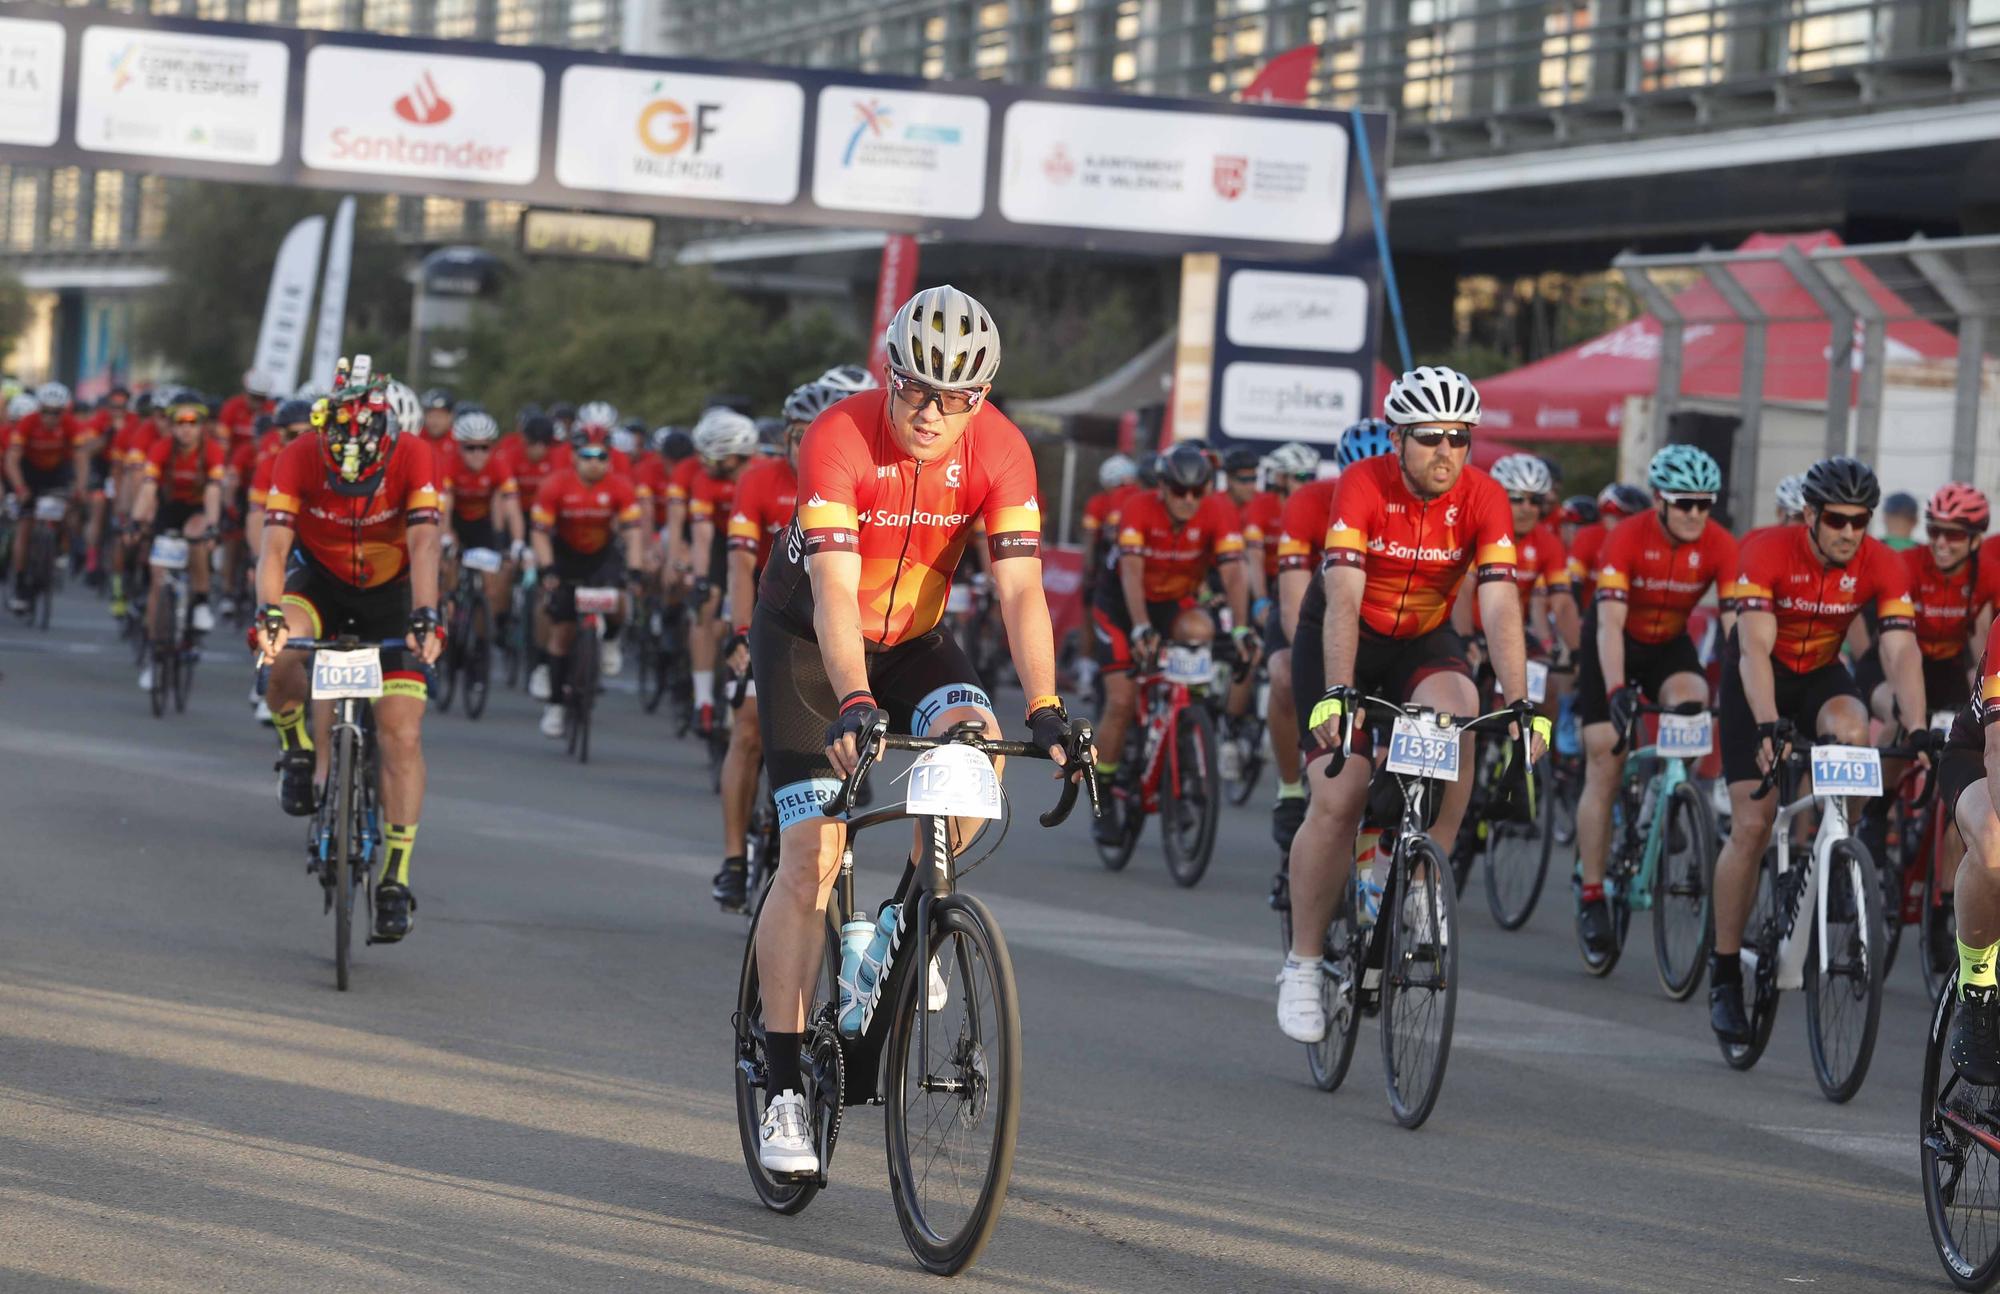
[813, 554]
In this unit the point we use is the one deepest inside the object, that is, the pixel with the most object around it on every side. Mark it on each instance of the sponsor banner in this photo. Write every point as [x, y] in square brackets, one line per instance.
[1210, 174]
[725, 138]
[333, 298]
[894, 283]
[1281, 310]
[1288, 401]
[176, 94]
[439, 116]
[281, 337]
[902, 152]
[31, 81]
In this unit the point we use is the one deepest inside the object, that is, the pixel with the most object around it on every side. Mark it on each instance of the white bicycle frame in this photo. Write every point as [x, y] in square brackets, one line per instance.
[1832, 830]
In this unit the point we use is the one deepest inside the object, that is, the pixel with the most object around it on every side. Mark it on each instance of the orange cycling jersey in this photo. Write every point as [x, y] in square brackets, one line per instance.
[1416, 551]
[358, 534]
[49, 443]
[182, 475]
[1177, 555]
[650, 479]
[709, 497]
[680, 478]
[135, 441]
[1100, 511]
[528, 473]
[1943, 603]
[579, 515]
[909, 521]
[1585, 547]
[1659, 578]
[1782, 574]
[766, 495]
[1263, 522]
[1302, 531]
[474, 493]
[1986, 692]
[1540, 566]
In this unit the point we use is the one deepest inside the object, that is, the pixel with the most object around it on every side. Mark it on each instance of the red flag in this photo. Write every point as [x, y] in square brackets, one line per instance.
[898, 279]
[1285, 78]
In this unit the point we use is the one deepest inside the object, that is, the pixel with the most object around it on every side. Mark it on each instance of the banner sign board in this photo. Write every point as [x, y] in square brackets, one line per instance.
[588, 236]
[969, 161]
[1294, 350]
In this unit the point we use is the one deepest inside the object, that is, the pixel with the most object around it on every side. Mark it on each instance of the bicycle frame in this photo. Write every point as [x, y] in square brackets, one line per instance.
[1833, 828]
[1673, 772]
[1163, 703]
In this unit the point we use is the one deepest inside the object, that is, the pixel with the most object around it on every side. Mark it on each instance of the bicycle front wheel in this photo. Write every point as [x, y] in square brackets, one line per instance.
[1419, 982]
[1960, 1167]
[1680, 892]
[182, 661]
[1517, 859]
[1844, 999]
[1190, 795]
[345, 816]
[1760, 994]
[1247, 735]
[954, 1087]
[1937, 936]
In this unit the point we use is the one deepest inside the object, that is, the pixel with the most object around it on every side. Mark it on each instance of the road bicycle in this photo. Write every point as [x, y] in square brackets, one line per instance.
[586, 667]
[1241, 750]
[649, 642]
[1914, 878]
[467, 663]
[1404, 966]
[1663, 847]
[1837, 957]
[1516, 851]
[1959, 1156]
[171, 640]
[345, 835]
[42, 569]
[1171, 765]
[948, 1075]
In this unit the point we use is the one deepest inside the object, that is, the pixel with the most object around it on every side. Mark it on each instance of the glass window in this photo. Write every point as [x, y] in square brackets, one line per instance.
[516, 22]
[263, 11]
[23, 210]
[503, 218]
[322, 13]
[455, 19]
[213, 10]
[389, 17]
[65, 193]
[1682, 44]
[443, 217]
[152, 208]
[107, 209]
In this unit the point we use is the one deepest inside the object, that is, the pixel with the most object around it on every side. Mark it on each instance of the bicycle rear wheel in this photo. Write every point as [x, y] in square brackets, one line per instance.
[159, 634]
[1680, 892]
[1759, 982]
[1340, 997]
[953, 1088]
[1517, 859]
[1190, 795]
[583, 692]
[783, 1194]
[1844, 1001]
[1247, 734]
[1419, 982]
[1960, 1159]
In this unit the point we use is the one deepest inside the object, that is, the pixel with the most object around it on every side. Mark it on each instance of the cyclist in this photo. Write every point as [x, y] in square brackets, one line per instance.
[481, 504]
[847, 626]
[439, 422]
[107, 427]
[131, 443]
[182, 490]
[1242, 472]
[1652, 572]
[47, 452]
[1284, 469]
[1577, 511]
[766, 496]
[292, 420]
[1899, 521]
[597, 424]
[239, 412]
[531, 460]
[1797, 590]
[360, 499]
[1541, 567]
[574, 517]
[1115, 477]
[1406, 530]
[724, 441]
[1615, 502]
[1167, 543]
[1972, 762]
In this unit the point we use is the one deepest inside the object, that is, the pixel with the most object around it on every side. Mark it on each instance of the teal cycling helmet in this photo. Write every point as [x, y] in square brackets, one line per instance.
[1368, 438]
[1683, 469]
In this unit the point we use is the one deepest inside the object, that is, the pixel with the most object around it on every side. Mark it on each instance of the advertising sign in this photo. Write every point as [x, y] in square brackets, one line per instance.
[627, 130]
[31, 81]
[440, 116]
[332, 326]
[894, 283]
[281, 337]
[1283, 310]
[902, 152]
[1219, 175]
[588, 236]
[1288, 401]
[176, 94]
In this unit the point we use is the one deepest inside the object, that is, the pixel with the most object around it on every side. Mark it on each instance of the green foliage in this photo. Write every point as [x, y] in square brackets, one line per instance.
[1473, 360]
[13, 311]
[656, 343]
[218, 247]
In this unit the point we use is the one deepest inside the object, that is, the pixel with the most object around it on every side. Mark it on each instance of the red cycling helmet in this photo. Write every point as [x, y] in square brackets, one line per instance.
[1959, 504]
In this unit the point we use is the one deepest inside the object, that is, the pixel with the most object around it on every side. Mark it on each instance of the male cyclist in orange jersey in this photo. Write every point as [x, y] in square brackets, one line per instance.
[1797, 590]
[848, 625]
[725, 441]
[1406, 530]
[576, 516]
[1100, 516]
[181, 490]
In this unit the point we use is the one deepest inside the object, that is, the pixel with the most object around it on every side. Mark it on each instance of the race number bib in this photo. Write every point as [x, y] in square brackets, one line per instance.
[481, 559]
[1942, 720]
[954, 781]
[1686, 736]
[596, 602]
[169, 552]
[1846, 770]
[1419, 749]
[1538, 681]
[51, 507]
[1191, 666]
[341, 675]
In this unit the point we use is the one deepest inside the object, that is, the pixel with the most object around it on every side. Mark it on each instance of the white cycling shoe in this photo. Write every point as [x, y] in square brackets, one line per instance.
[202, 618]
[538, 683]
[937, 994]
[1301, 1015]
[146, 677]
[552, 721]
[784, 1144]
[613, 658]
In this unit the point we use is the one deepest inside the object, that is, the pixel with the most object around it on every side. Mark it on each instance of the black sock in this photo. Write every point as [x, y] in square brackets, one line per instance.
[558, 675]
[1725, 968]
[781, 1061]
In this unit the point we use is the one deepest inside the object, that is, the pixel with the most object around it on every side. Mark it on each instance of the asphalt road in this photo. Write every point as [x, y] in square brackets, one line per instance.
[532, 1092]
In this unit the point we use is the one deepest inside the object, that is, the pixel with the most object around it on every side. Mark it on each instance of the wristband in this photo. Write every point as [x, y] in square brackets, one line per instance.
[742, 631]
[852, 699]
[1043, 702]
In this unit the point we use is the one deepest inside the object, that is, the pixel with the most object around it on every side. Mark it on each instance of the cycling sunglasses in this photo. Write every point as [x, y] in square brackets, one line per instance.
[1532, 500]
[1689, 502]
[917, 394]
[1432, 437]
[593, 453]
[1846, 520]
[1187, 491]
[1244, 478]
[1952, 533]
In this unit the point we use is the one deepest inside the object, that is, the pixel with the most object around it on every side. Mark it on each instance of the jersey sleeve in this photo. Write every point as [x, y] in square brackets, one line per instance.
[627, 501]
[1493, 552]
[1357, 513]
[1012, 513]
[213, 458]
[1614, 567]
[1226, 538]
[831, 459]
[746, 525]
[547, 506]
[289, 483]
[1298, 527]
[420, 491]
[1894, 606]
[1727, 556]
[156, 459]
[1757, 577]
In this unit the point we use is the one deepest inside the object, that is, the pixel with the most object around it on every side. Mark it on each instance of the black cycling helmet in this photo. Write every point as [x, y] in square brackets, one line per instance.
[1842, 480]
[144, 404]
[539, 430]
[525, 412]
[437, 398]
[562, 409]
[1241, 460]
[676, 444]
[292, 411]
[1187, 465]
[1580, 510]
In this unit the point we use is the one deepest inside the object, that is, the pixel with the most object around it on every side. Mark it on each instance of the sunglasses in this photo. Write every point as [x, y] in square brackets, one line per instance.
[1244, 478]
[1952, 533]
[475, 449]
[1529, 500]
[1846, 520]
[918, 394]
[1187, 491]
[1689, 502]
[1432, 437]
[593, 454]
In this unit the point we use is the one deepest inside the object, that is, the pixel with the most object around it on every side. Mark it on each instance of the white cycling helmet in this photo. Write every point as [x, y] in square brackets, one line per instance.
[722, 432]
[811, 400]
[624, 440]
[404, 404]
[1523, 474]
[1294, 460]
[475, 427]
[1791, 494]
[848, 378]
[21, 406]
[1117, 470]
[597, 413]
[52, 395]
[945, 338]
[255, 383]
[1432, 395]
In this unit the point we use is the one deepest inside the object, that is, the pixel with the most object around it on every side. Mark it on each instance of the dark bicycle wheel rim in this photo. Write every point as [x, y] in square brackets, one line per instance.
[1680, 893]
[1517, 861]
[1844, 1003]
[1190, 795]
[1961, 1172]
[1762, 937]
[182, 660]
[1419, 986]
[975, 1044]
[779, 1195]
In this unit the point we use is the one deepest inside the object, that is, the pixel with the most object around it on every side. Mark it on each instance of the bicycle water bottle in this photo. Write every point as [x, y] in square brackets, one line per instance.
[854, 937]
[871, 971]
[1370, 870]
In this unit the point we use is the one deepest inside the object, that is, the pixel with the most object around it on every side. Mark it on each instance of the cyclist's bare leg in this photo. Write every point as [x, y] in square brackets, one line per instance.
[739, 778]
[287, 684]
[1977, 884]
[1280, 722]
[1453, 694]
[791, 939]
[1601, 771]
[1736, 864]
[399, 731]
[196, 531]
[1323, 851]
[1121, 697]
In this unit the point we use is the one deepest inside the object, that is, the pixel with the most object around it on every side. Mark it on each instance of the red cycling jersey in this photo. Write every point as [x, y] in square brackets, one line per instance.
[49, 443]
[359, 539]
[1177, 555]
[473, 494]
[528, 473]
[766, 495]
[1302, 530]
[135, 441]
[1097, 512]
[1781, 573]
[650, 480]
[909, 521]
[709, 497]
[1415, 551]
[581, 516]
[680, 478]
[240, 412]
[1944, 603]
[1659, 578]
[1586, 546]
[1263, 523]
[260, 475]
[182, 475]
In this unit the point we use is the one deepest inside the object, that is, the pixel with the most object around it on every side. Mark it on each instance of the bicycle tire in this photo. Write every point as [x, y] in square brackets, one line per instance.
[652, 659]
[1190, 845]
[1947, 1148]
[1890, 870]
[1130, 807]
[1762, 1005]
[42, 558]
[343, 776]
[1937, 940]
[1251, 769]
[161, 631]
[182, 660]
[989, 1061]
[1679, 890]
[1429, 997]
[1517, 861]
[583, 691]
[1340, 996]
[1854, 977]
[780, 1195]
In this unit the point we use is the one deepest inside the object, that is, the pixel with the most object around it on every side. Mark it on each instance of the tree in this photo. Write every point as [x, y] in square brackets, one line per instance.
[218, 248]
[13, 311]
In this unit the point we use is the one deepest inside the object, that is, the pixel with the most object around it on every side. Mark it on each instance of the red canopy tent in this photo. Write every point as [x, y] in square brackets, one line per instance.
[1579, 394]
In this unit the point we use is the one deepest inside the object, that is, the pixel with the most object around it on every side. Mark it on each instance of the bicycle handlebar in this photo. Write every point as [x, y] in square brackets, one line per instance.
[1644, 709]
[1382, 705]
[971, 733]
